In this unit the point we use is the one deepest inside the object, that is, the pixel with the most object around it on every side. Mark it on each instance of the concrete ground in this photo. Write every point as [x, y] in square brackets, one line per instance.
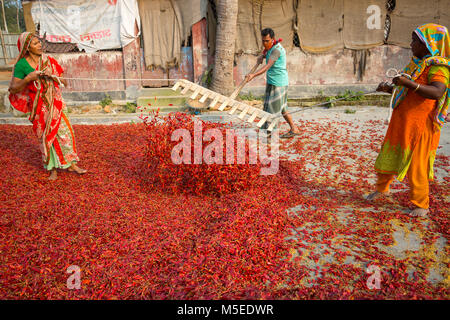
[359, 128]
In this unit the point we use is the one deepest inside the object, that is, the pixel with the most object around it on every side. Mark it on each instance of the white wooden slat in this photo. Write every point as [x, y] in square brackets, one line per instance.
[176, 86]
[196, 92]
[272, 124]
[215, 100]
[225, 104]
[254, 115]
[235, 107]
[205, 96]
[186, 88]
[244, 112]
[263, 120]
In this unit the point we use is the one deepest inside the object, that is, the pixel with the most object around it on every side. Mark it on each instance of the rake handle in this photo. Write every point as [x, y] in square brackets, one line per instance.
[243, 83]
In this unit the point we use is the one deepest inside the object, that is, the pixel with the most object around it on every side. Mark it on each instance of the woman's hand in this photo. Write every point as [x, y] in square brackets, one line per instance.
[32, 76]
[48, 72]
[401, 81]
[384, 87]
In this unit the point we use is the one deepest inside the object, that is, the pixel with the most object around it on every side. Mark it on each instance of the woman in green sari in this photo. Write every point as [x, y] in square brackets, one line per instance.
[35, 89]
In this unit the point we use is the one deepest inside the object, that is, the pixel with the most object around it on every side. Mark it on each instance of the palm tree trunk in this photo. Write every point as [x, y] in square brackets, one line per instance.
[227, 11]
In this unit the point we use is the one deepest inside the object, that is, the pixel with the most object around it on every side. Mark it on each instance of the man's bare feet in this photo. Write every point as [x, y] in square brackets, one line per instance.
[419, 212]
[289, 134]
[77, 169]
[376, 195]
[53, 175]
[293, 128]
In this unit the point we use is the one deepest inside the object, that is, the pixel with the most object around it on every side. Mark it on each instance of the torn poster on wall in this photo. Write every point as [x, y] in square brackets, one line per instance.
[91, 24]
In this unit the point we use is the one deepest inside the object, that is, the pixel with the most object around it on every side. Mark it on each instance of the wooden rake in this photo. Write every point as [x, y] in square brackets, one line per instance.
[243, 111]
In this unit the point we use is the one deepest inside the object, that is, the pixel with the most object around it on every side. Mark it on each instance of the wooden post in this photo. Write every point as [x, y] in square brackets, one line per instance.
[5, 54]
[17, 17]
[4, 17]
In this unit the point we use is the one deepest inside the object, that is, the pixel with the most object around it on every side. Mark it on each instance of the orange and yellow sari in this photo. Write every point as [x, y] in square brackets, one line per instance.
[412, 138]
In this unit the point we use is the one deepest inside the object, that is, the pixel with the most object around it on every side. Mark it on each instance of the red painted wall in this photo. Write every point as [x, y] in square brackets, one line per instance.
[200, 48]
[129, 64]
[102, 64]
[118, 65]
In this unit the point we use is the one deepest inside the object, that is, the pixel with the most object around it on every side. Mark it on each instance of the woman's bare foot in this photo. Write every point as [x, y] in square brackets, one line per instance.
[419, 212]
[77, 169]
[376, 195]
[53, 175]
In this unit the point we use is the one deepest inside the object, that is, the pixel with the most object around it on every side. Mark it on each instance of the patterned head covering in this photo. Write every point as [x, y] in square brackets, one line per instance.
[437, 40]
[23, 43]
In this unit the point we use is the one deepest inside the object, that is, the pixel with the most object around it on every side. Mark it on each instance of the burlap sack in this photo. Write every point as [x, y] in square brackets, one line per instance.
[361, 31]
[248, 28]
[279, 15]
[407, 16]
[320, 25]
[255, 15]
[444, 13]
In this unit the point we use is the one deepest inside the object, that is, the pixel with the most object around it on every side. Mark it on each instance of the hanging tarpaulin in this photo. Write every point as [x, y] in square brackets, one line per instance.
[91, 24]
[364, 22]
[408, 15]
[189, 12]
[321, 25]
[444, 13]
[280, 15]
[248, 38]
[162, 36]
[255, 15]
[129, 20]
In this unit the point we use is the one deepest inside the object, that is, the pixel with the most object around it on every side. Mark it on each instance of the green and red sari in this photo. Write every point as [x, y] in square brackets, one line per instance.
[43, 100]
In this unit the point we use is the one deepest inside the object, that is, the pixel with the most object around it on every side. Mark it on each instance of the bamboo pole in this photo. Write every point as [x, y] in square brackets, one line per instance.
[17, 16]
[5, 55]
[4, 16]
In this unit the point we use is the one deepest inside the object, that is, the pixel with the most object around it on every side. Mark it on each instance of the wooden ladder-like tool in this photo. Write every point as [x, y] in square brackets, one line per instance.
[243, 111]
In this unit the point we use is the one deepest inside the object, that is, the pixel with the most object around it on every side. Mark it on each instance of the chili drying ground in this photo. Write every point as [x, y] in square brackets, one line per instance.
[303, 233]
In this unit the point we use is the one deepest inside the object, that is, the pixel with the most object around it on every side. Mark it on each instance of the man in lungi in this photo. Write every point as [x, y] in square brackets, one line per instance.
[275, 100]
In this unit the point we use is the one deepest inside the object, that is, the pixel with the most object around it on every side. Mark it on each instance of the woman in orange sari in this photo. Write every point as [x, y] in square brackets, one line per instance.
[35, 89]
[420, 110]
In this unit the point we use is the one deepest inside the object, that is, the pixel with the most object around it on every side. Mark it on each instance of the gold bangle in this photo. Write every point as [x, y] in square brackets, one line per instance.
[417, 88]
